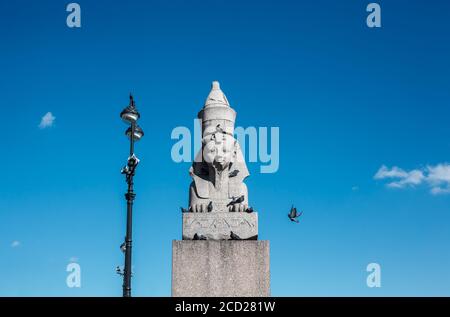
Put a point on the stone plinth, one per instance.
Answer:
(220, 268)
(218, 225)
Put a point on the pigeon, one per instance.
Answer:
(183, 210)
(219, 129)
(123, 247)
(236, 201)
(233, 173)
(210, 206)
(119, 271)
(293, 214)
(249, 210)
(234, 236)
(198, 237)
(125, 170)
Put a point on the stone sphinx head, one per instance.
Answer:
(219, 150)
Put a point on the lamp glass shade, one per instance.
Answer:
(129, 116)
(138, 133)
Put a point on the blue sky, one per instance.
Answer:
(348, 99)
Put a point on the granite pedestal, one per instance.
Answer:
(226, 268)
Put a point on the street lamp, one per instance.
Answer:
(130, 115)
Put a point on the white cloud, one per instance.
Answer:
(15, 244)
(439, 190)
(47, 120)
(403, 178)
(439, 178)
(385, 172)
(436, 177)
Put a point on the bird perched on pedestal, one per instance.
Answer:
(249, 210)
(199, 237)
(234, 236)
(184, 210)
(293, 214)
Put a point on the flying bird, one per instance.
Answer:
(293, 214)
(199, 237)
(210, 206)
(237, 200)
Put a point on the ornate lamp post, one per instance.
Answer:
(130, 115)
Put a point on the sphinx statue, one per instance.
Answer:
(218, 173)
(219, 168)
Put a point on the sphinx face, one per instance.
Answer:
(218, 150)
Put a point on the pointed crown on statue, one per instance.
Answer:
(217, 115)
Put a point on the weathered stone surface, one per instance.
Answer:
(218, 225)
(220, 268)
(219, 170)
